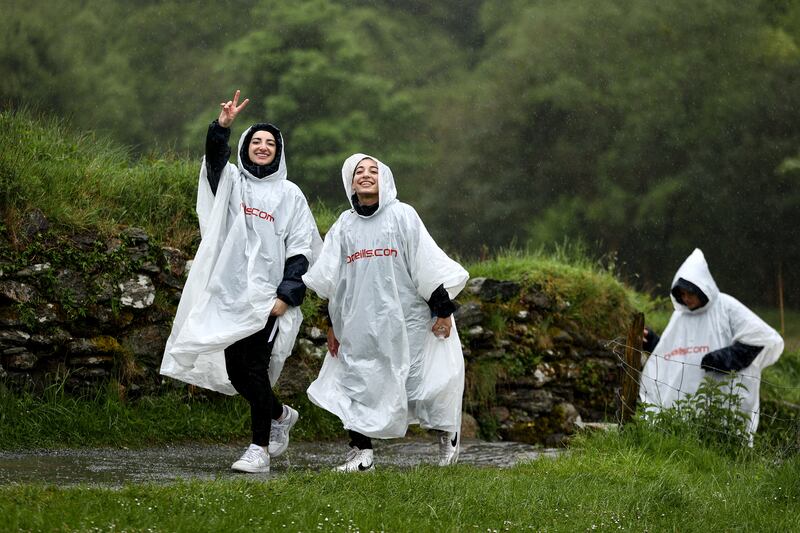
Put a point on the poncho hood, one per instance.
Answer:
(275, 170)
(695, 270)
(387, 192)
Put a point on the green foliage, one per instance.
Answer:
(85, 181)
(710, 416)
(583, 290)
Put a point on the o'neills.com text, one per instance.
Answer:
(376, 252)
(686, 351)
(256, 212)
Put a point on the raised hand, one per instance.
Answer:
(230, 109)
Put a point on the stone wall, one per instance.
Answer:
(97, 311)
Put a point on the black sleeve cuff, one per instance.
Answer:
(292, 290)
(440, 303)
(731, 358)
(650, 341)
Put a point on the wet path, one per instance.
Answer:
(116, 467)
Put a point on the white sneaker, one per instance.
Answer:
(279, 431)
(255, 460)
(357, 461)
(449, 445)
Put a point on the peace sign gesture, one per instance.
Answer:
(230, 109)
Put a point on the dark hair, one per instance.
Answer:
(688, 286)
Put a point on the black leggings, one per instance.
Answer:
(247, 363)
(362, 442)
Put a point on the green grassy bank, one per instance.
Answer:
(640, 481)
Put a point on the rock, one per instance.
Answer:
(12, 338)
(94, 346)
(85, 241)
(529, 400)
(559, 336)
(47, 314)
(543, 374)
(91, 360)
(71, 287)
(34, 222)
(10, 318)
(24, 360)
(500, 413)
(16, 292)
(34, 270)
(468, 315)
(57, 337)
(14, 351)
(538, 300)
(523, 315)
(305, 347)
(474, 285)
(150, 267)
(316, 334)
(114, 244)
(171, 281)
(147, 344)
(567, 416)
(479, 334)
(137, 293)
(491, 289)
(596, 426)
(469, 426)
(175, 260)
(138, 243)
(135, 235)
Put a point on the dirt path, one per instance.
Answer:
(116, 467)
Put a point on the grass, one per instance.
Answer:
(583, 290)
(637, 480)
(82, 181)
(56, 419)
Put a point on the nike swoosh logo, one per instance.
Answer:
(362, 467)
(454, 441)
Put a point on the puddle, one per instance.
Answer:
(117, 467)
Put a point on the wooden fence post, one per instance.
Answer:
(632, 368)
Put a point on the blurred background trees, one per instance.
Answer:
(643, 129)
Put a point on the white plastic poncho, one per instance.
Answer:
(673, 369)
(377, 273)
(249, 229)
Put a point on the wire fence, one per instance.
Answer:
(779, 420)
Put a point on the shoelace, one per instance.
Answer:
(352, 454)
(276, 432)
(251, 454)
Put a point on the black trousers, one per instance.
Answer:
(362, 442)
(247, 363)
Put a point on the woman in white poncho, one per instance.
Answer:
(709, 334)
(239, 312)
(395, 357)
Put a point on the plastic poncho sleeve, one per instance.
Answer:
(324, 274)
(749, 329)
(432, 267)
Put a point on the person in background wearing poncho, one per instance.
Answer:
(709, 334)
(395, 357)
(239, 312)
